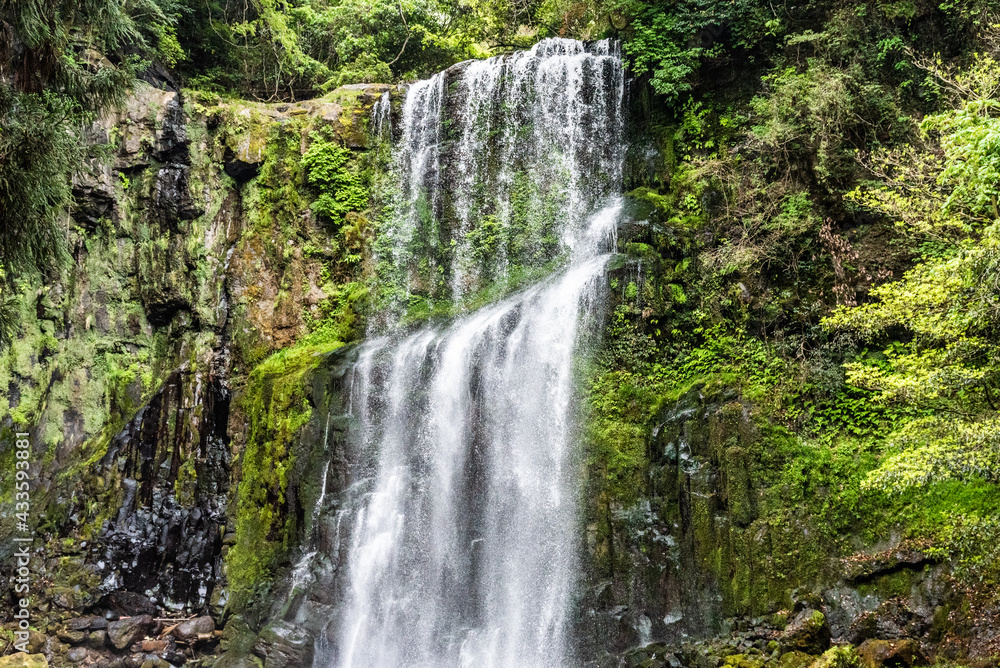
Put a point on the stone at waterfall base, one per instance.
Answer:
(22, 660)
(284, 646)
(904, 653)
(124, 632)
(809, 632)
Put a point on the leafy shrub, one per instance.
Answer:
(340, 190)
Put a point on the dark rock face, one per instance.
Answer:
(127, 604)
(172, 196)
(192, 628)
(97, 639)
(283, 645)
(129, 630)
(166, 535)
(891, 654)
(809, 632)
(891, 621)
(700, 490)
(241, 171)
(77, 654)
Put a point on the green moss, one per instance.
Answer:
(277, 407)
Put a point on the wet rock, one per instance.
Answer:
(64, 597)
(284, 646)
(808, 632)
(172, 656)
(172, 195)
(864, 627)
(97, 639)
(838, 657)
(94, 198)
(129, 604)
(83, 623)
(795, 659)
(904, 653)
(744, 661)
(116, 662)
(192, 628)
(179, 540)
(21, 660)
(126, 631)
(77, 654)
(72, 637)
(155, 662)
(172, 143)
(235, 660)
(36, 642)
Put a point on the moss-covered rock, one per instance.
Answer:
(905, 653)
(21, 660)
(808, 632)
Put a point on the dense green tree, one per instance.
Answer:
(943, 317)
(60, 62)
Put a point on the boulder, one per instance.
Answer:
(838, 657)
(284, 645)
(83, 623)
(808, 632)
(235, 660)
(36, 642)
(22, 660)
(192, 628)
(155, 662)
(795, 660)
(128, 630)
(77, 654)
(97, 639)
(129, 604)
(72, 637)
(904, 653)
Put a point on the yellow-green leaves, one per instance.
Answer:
(935, 449)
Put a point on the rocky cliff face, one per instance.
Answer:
(184, 275)
(720, 545)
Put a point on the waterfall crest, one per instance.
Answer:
(462, 527)
(501, 160)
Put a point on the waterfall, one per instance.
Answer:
(526, 145)
(381, 121)
(462, 511)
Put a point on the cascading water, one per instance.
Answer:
(522, 147)
(462, 513)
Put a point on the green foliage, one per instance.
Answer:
(817, 112)
(53, 78)
(275, 49)
(669, 41)
(619, 407)
(970, 139)
(935, 449)
(328, 171)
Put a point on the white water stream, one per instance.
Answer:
(463, 511)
